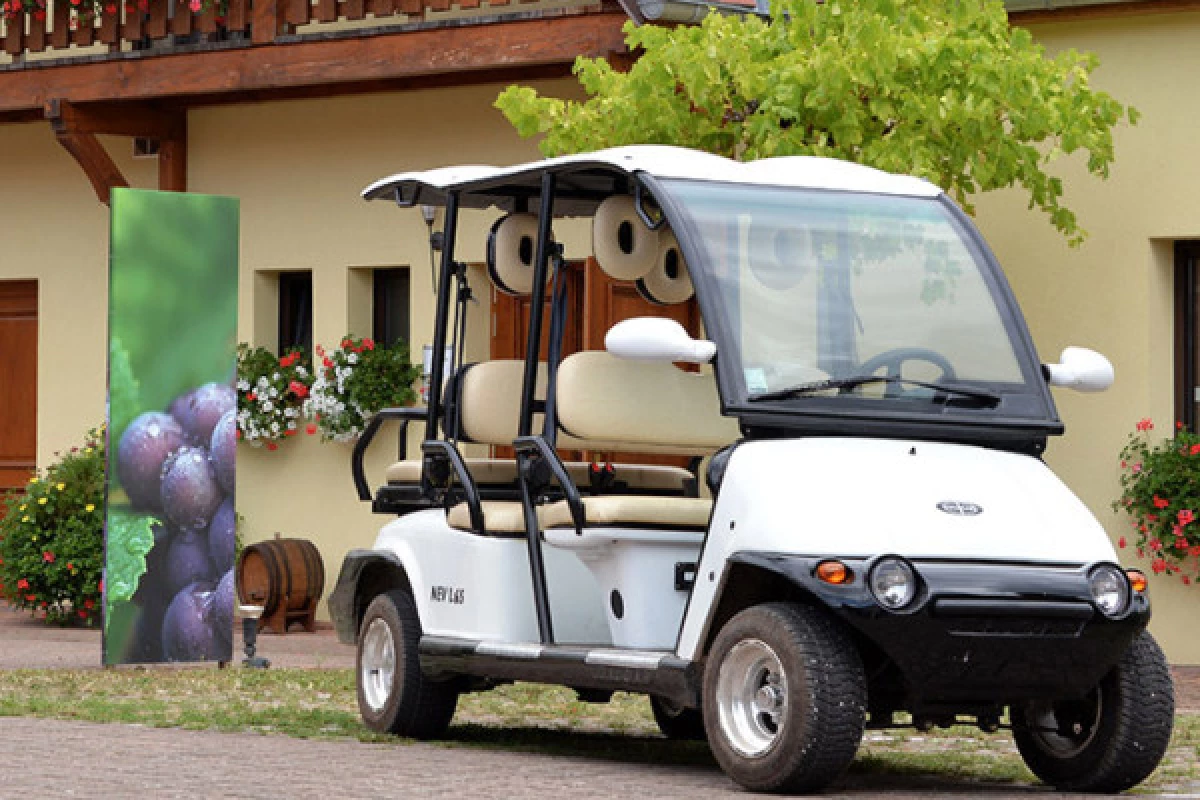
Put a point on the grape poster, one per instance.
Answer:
(170, 519)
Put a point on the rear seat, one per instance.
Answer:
(488, 406)
(615, 404)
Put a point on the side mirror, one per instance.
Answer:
(656, 339)
(1080, 369)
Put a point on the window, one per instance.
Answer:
(391, 304)
(1187, 333)
(295, 311)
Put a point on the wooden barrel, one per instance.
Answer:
(284, 576)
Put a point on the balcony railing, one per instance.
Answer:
(128, 26)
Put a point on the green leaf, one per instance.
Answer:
(124, 392)
(128, 539)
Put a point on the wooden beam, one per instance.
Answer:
(1107, 11)
(115, 120)
(96, 163)
(460, 49)
(172, 165)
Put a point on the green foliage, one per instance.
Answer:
(130, 537)
(271, 394)
(945, 91)
(1160, 491)
(355, 380)
(52, 538)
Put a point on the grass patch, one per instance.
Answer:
(320, 704)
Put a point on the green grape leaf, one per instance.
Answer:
(129, 538)
(123, 391)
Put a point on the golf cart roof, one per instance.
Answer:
(585, 179)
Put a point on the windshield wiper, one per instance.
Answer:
(986, 395)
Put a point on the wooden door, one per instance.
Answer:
(18, 388)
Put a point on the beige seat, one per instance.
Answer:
(503, 471)
(637, 511)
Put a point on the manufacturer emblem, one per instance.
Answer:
(959, 509)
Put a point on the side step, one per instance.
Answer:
(578, 666)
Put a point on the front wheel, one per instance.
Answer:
(1110, 739)
(784, 699)
(393, 695)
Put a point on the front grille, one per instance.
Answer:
(1014, 626)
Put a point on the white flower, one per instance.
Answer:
(352, 358)
(301, 371)
(243, 385)
(268, 405)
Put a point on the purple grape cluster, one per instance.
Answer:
(180, 467)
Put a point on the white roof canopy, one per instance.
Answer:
(584, 180)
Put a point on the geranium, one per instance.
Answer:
(271, 393)
(1160, 491)
(356, 379)
(51, 553)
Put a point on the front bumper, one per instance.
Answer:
(979, 633)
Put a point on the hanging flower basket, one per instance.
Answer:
(356, 379)
(271, 394)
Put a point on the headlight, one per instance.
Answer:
(893, 583)
(1110, 590)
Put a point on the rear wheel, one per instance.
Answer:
(677, 722)
(1112, 738)
(784, 699)
(393, 695)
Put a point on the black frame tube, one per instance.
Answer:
(533, 538)
(445, 287)
(537, 304)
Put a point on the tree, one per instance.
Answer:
(942, 89)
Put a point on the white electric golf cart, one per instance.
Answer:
(868, 536)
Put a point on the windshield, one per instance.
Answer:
(816, 289)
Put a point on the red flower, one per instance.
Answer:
(1154, 544)
(251, 396)
(272, 446)
(327, 362)
(22, 584)
(1159, 566)
(1160, 502)
(83, 615)
(1194, 450)
(310, 428)
(1181, 543)
(1186, 517)
(297, 388)
(48, 557)
(290, 432)
(238, 434)
(1186, 580)
(70, 565)
(1145, 425)
(1121, 542)
(369, 344)
(288, 360)
(40, 15)
(100, 586)
(1152, 518)
(89, 604)
(31, 598)
(346, 344)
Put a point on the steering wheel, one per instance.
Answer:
(893, 360)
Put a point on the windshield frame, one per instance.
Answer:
(848, 414)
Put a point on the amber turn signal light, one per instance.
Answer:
(834, 572)
(1137, 580)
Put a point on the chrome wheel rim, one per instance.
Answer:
(752, 697)
(377, 667)
(1065, 730)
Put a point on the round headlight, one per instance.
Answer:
(893, 583)
(1110, 590)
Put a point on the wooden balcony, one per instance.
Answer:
(162, 51)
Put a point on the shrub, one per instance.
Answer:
(1160, 491)
(355, 380)
(52, 538)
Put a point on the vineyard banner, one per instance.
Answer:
(170, 521)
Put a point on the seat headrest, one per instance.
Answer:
(668, 281)
(781, 255)
(624, 247)
(511, 251)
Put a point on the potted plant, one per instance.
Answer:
(1160, 491)
(356, 379)
(272, 393)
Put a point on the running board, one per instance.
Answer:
(578, 666)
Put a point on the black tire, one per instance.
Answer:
(818, 696)
(682, 724)
(402, 701)
(1112, 739)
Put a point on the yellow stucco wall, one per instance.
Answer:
(1114, 293)
(297, 167)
